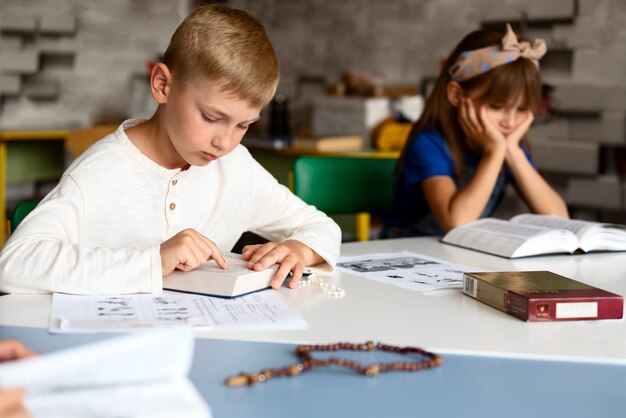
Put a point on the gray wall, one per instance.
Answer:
(89, 65)
(71, 63)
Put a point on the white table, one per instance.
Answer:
(446, 321)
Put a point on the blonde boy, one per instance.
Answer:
(174, 191)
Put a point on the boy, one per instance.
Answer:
(170, 192)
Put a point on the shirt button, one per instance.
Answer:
(174, 182)
(172, 206)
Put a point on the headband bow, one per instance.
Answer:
(476, 62)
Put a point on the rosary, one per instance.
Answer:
(307, 362)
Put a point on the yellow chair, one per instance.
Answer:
(344, 185)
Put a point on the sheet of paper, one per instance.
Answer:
(175, 398)
(260, 310)
(405, 269)
(115, 377)
(117, 360)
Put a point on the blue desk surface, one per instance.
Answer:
(465, 386)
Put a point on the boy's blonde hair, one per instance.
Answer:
(228, 46)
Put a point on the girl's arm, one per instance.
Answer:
(452, 207)
(533, 189)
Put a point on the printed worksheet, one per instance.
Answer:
(408, 270)
(257, 311)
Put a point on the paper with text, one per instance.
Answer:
(115, 313)
(405, 269)
(115, 377)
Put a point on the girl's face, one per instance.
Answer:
(507, 117)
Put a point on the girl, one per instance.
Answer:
(468, 143)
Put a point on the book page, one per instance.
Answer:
(492, 236)
(592, 236)
(237, 266)
(261, 310)
(172, 398)
(554, 222)
(511, 239)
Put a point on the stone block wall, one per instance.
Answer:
(65, 63)
(69, 63)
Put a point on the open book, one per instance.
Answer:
(138, 375)
(211, 280)
(527, 235)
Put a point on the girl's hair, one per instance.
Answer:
(228, 46)
(502, 84)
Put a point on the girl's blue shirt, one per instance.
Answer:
(428, 156)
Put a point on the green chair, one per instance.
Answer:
(344, 185)
(21, 211)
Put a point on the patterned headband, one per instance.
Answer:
(476, 62)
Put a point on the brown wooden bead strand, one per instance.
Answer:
(307, 362)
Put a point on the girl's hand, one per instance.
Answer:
(474, 124)
(291, 255)
(513, 138)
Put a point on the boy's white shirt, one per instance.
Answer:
(99, 231)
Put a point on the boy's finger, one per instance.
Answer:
(217, 256)
(13, 350)
(249, 250)
(281, 275)
(260, 254)
(296, 275)
(209, 250)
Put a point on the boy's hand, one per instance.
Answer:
(291, 255)
(13, 350)
(187, 250)
(11, 405)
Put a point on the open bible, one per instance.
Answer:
(211, 280)
(528, 235)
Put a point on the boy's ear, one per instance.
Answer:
(454, 92)
(160, 82)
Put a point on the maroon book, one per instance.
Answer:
(542, 296)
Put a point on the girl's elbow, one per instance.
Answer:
(559, 209)
(452, 222)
